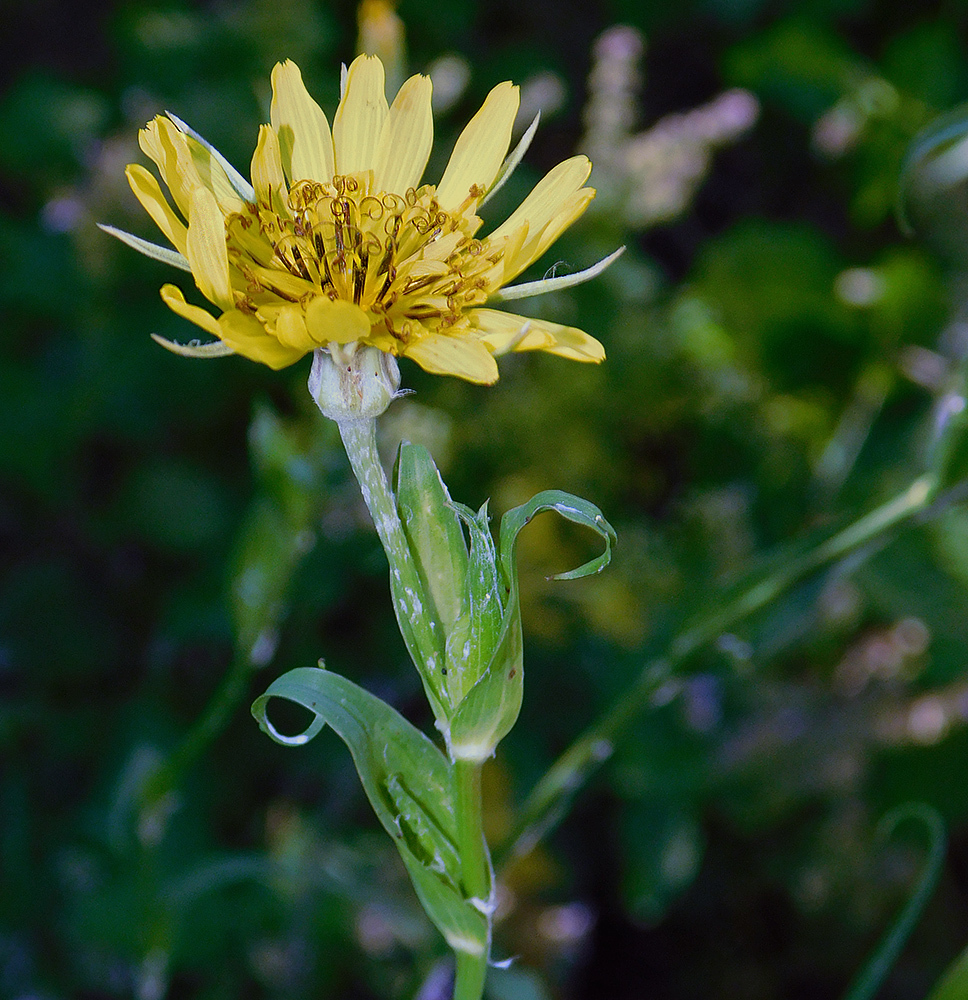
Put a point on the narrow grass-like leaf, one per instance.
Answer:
(871, 977)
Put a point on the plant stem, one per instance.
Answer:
(409, 599)
(359, 439)
(549, 799)
(871, 977)
(475, 871)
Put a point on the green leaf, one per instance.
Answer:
(433, 531)
(407, 780)
(489, 710)
(471, 645)
(491, 707)
(571, 508)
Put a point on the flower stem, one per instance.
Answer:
(475, 871)
(359, 439)
(409, 600)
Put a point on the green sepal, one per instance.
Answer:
(489, 710)
(407, 780)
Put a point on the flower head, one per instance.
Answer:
(336, 242)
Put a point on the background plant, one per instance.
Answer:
(775, 350)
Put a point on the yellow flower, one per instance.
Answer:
(336, 242)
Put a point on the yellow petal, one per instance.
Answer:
(290, 329)
(283, 283)
(481, 147)
(148, 191)
(465, 357)
(534, 248)
(172, 296)
(502, 332)
(268, 178)
(406, 138)
(213, 176)
(548, 196)
(168, 147)
(206, 250)
(246, 336)
(305, 140)
(338, 322)
(360, 116)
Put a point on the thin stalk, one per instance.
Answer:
(475, 870)
(871, 977)
(359, 439)
(549, 798)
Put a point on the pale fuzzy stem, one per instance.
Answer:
(409, 603)
(359, 439)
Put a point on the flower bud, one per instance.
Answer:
(351, 382)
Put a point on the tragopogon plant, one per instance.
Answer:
(336, 248)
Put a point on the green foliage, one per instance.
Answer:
(407, 780)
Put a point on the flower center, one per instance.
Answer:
(402, 258)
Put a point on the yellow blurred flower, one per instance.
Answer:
(336, 242)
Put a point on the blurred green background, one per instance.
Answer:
(776, 353)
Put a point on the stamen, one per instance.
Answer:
(360, 276)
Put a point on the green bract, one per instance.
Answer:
(471, 651)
